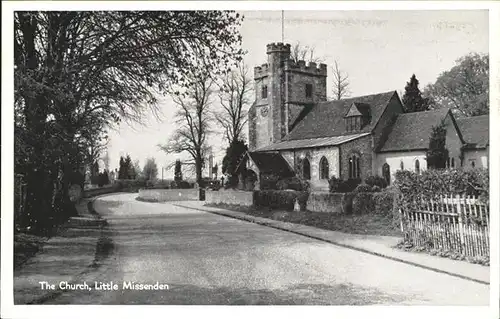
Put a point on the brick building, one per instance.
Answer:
(349, 138)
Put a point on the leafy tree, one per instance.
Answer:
(178, 171)
(79, 72)
(465, 86)
(412, 98)
(234, 155)
(437, 154)
(150, 170)
(137, 169)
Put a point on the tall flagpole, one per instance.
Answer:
(283, 26)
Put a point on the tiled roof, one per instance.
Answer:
(475, 130)
(326, 119)
(271, 163)
(412, 131)
(313, 142)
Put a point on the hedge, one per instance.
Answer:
(280, 199)
(363, 203)
(293, 183)
(431, 184)
(376, 180)
(339, 186)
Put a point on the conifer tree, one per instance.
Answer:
(412, 98)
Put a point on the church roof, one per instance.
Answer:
(326, 119)
(412, 131)
(312, 142)
(475, 130)
(271, 163)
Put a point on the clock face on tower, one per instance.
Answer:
(264, 110)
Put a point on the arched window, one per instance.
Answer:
(453, 162)
(402, 165)
(386, 172)
(323, 168)
(354, 169)
(417, 166)
(306, 169)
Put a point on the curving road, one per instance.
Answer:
(209, 259)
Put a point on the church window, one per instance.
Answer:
(323, 168)
(306, 169)
(264, 92)
(417, 166)
(353, 123)
(402, 165)
(354, 168)
(453, 162)
(309, 90)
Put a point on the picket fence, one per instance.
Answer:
(454, 223)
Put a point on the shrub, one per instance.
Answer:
(363, 188)
(184, 184)
(294, 183)
(376, 180)
(280, 199)
(340, 186)
(130, 184)
(363, 203)
(334, 184)
(384, 202)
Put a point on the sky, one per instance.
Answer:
(379, 50)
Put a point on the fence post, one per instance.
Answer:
(460, 224)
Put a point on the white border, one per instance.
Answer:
(9, 311)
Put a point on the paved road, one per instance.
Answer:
(209, 259)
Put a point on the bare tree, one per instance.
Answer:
(193, 118)
(340, 83)
(299, 52)
(234, 98)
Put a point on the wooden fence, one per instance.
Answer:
(454, 223)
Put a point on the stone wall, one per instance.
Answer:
(230, 197)
(322, 202)
(166, 195)
(363, 148)
(314, 156)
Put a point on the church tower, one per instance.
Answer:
(284, 89)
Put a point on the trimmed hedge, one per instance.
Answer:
(280, 199)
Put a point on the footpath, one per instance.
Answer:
(382, 246)
(64, 257)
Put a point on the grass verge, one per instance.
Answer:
(369, 224)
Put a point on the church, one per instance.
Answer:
(295, 131)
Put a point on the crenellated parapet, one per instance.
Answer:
(260, 71)
(311, 68)
(278, 47)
